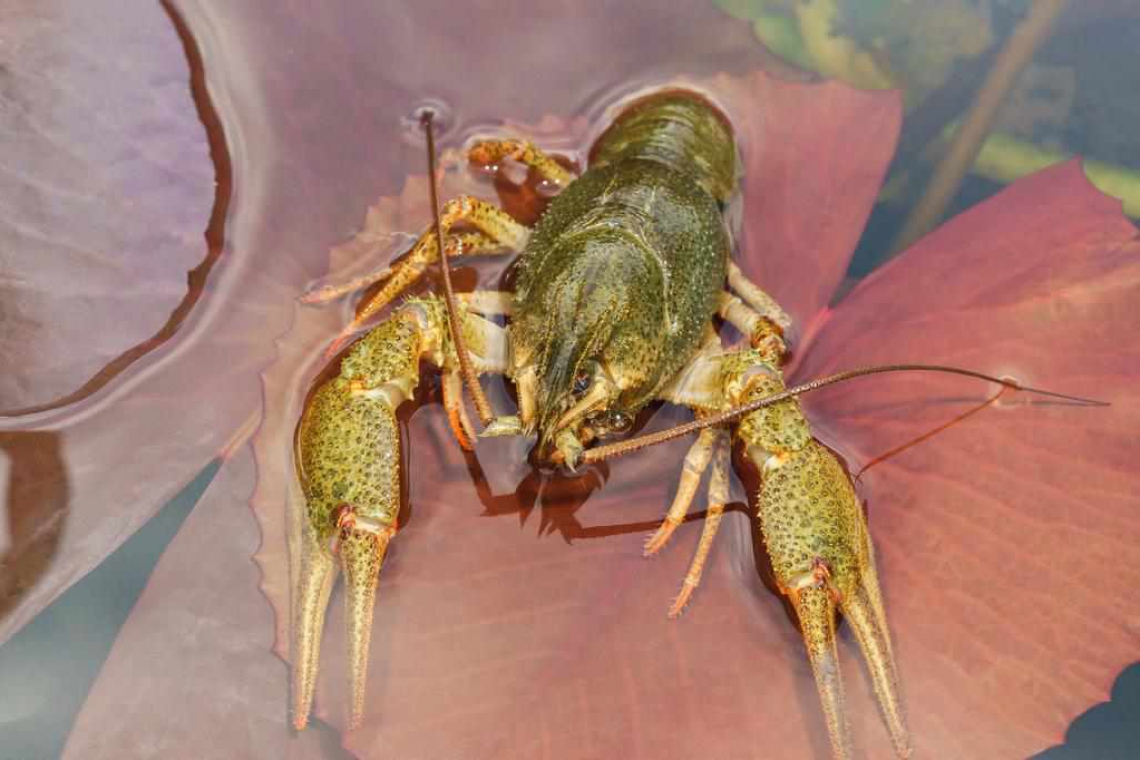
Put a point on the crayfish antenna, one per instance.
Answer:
(863, 609)
(361, 555)
(816, 611)
(466, 368)
(630, 445)
(316, 575)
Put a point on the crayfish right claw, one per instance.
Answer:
(815, 608)
(863, 609)
(812, 486)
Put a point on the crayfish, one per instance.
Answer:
(618, 286)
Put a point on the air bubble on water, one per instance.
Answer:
(548, 189)
(443, 120)
(1011, 398)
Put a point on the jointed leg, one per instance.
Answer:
(763, 303)
(461, 426)
(461, 244)
(495, 231)
(490, 152)
(712, 445)
(487, 344)
(718, 497)
(763, 333)
(696, 462)
(333, 292)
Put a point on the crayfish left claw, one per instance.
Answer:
(316, 574)
(347, 456)
(362, 552)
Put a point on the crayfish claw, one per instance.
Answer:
(661, 536)
(863, 609)
(816, 610)
(813, 526)
(361, 555)
(315, 581)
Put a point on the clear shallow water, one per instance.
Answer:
(316, 170)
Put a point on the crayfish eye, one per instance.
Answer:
(619, 422)
(582, 382)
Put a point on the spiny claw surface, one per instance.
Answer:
(812, 524)
(348, 456)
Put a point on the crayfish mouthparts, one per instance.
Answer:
(567, 450)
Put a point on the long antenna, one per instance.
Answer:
(470, 379)
(636, 444)
(929, 434)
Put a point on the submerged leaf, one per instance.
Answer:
(806, 196)
(311, 105)
(194, 676)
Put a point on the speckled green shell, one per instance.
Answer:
(626, 264)
(808, 509)
(349, 440)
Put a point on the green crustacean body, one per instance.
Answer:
(617, 288)
(626, 265)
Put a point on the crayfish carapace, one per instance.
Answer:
(618, 285)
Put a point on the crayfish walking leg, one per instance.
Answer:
(808, 517)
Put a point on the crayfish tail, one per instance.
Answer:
(816, 611)
(316, 575)
(361, 554)
(863, 609)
